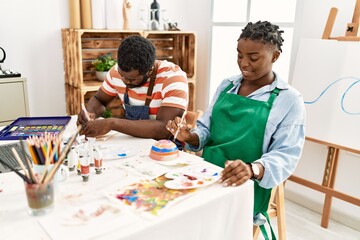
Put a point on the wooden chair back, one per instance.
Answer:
(192, 116)
(276, 209)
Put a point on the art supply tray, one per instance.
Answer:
(24, 127)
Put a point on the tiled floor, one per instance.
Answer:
(304, 224)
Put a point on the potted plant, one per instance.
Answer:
(102, 65)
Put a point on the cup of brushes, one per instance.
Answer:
(39, 187)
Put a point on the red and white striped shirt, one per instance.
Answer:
(170, 88)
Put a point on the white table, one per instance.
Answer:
(213, 212)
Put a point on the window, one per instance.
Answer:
(229, 17)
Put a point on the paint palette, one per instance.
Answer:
(192, 177)
(117, 152)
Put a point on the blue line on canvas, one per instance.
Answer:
(343, 95)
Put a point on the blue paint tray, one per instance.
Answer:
(25, 127)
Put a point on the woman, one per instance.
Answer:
(255, 125)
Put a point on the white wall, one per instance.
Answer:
(30, 34)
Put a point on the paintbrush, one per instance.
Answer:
(180, 125)
(85, 111)
(26, 179)
(18, 159)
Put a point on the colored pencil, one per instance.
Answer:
(49, 156)
(28, 164)
(32, 153)
(62, 157)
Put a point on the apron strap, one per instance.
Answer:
(228, 87)
(126, 96)
(273, 95)
(271, 99)
(263, 230)
(150, 90)
(148, 94)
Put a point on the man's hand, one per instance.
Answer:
(96, 127)
(83, 118)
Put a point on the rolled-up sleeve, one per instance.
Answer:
(285, 143)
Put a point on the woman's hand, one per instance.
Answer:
(179, 129)
(235, 173)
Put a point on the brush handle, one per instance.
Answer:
(179, 125)
(17, 172)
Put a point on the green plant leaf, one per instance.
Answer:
(104, 63)
(107, 113)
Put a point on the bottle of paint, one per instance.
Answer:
(98, 160)
(72, 158)
(82, 153)
(90, 150)
(85, 168)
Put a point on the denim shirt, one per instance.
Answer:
(284, 134)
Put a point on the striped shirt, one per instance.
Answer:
(170, 88)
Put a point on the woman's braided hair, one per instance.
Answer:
(264, 32)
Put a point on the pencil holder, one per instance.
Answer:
(40, 198)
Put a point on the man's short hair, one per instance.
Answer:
(136, 53)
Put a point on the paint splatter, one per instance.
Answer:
(151, 196)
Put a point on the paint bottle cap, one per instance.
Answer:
(85, 178)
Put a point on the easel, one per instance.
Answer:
(328, 183)
(351, 29)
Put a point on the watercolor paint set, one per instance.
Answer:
(24, 127)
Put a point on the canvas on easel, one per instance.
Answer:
(327, 74)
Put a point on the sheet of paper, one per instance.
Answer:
(86, 221)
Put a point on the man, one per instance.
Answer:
(152, 93)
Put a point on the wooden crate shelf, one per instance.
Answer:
(74, 94)
(82, 46)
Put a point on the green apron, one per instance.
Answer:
(243, 141)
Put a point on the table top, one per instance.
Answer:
(210, 212)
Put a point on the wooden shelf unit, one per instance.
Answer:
(82, 46)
